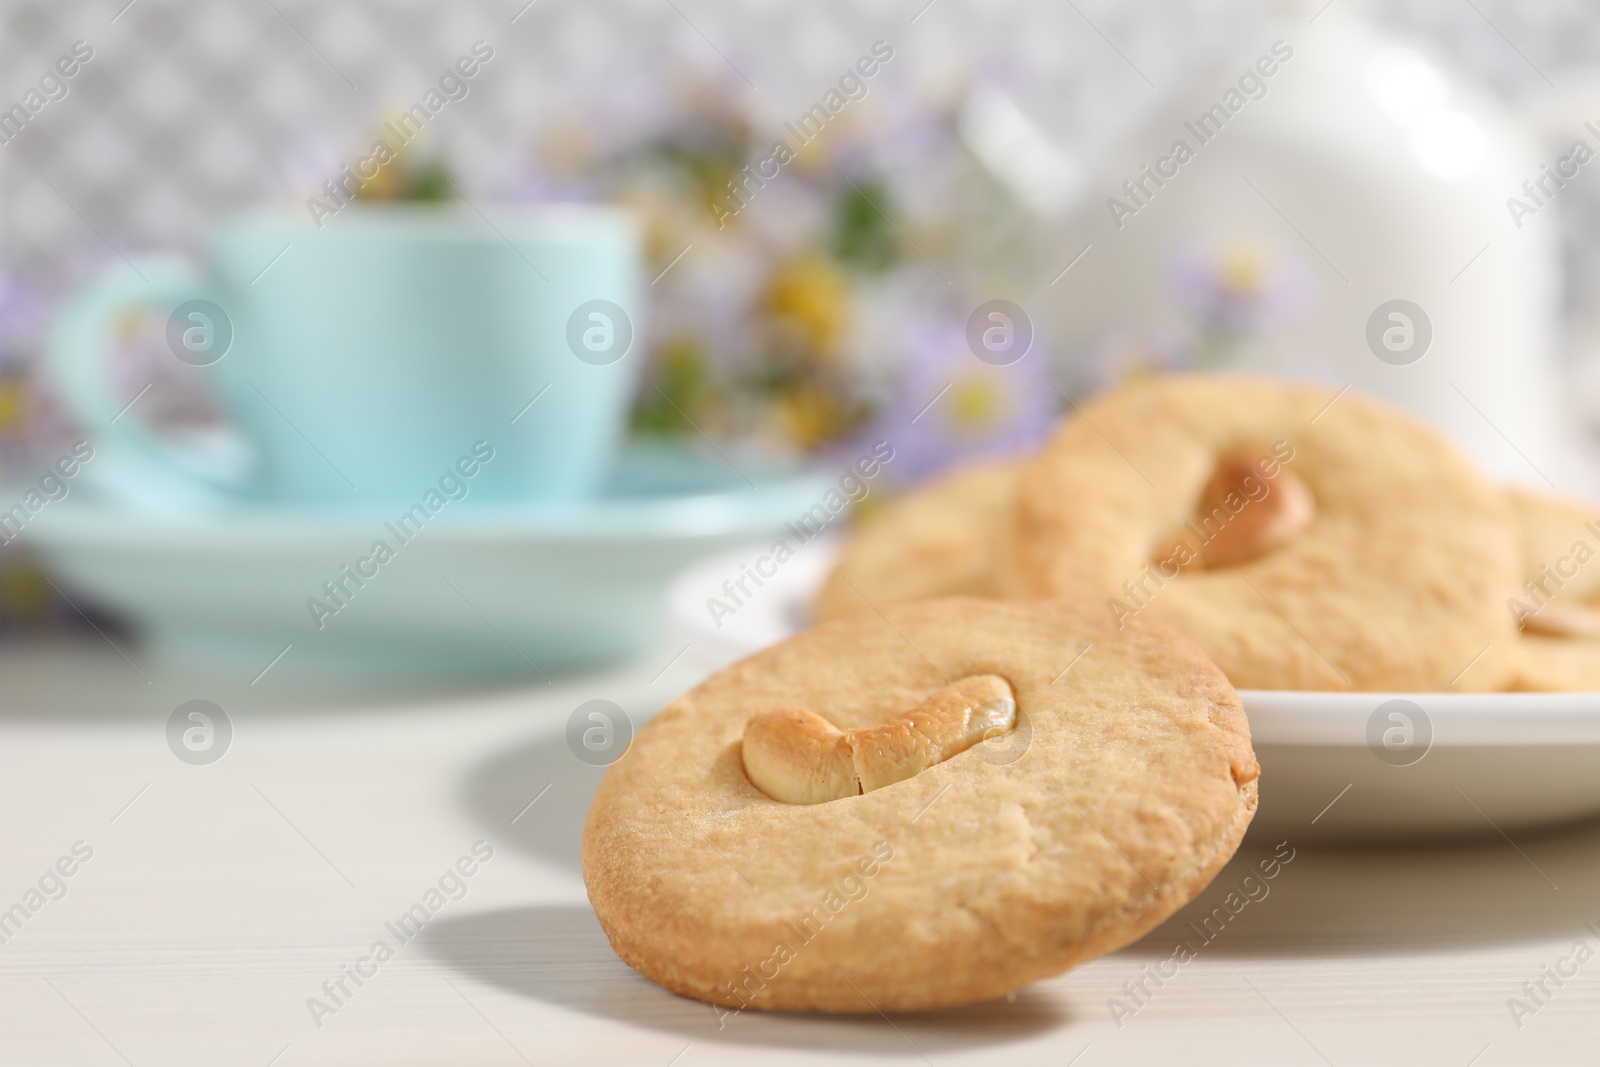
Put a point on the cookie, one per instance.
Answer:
(948, 869)
(1304, 538)
(1558, 603)
(940, 539)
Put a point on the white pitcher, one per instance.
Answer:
(1378, 180)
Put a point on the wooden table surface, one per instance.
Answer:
(208, 905)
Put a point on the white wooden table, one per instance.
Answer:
(219, 899)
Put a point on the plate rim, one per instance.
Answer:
(1290, 717)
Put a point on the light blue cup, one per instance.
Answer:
(361, 360)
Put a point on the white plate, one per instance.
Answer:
(1453, 763)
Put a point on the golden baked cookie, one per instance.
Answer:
(1558, 603)
(1303, 538)
(947, 870)
(940, 539)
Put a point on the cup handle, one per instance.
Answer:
(85, 334)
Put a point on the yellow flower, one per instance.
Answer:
(657, 212)
(811, 296)
(975, 405)
(1243, 268)
(811, 157)
(809, 415)
(13, 403)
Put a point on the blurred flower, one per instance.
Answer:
(863, 236)
(1235, 289)
(811, 414)
(703, 139)
(778, 302)
(678, 396)
(807, 302)
(411, 175)
(22, 314)
(23, 323)
(14, 398)
(950, 405)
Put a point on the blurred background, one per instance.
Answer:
(832, 309)
(874, 240)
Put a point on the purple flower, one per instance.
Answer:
(22, 314)
(1237, 287)
(949, 405)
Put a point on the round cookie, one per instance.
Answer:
(1556, 665)
(1392, 576)
(1558, 604)
(940, 539)
(1560, 542)
(1125, 785)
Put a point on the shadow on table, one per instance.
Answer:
(559, 955)
(497, 791)
(1343, 900)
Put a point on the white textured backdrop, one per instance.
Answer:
(189, 108)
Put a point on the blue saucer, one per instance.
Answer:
(524, 590)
